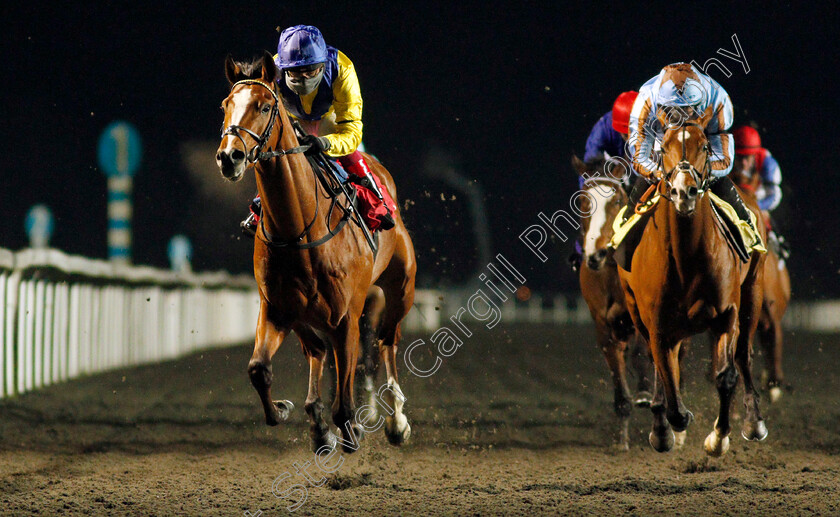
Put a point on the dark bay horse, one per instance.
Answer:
(602, 292)
(776, 298)
(313, 270)
(684, 279)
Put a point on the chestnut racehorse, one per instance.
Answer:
(614, 330)
(685, 279)
(776, 298)
(312, 265)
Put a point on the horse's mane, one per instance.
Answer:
(596, 165)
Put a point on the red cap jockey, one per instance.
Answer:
(747, 140)
(622, 107)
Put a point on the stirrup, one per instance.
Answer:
(780, 245)
(249, 225)
(784, 248)
(575, 260)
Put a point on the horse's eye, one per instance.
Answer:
(266, 108)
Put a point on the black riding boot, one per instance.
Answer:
(386, 222)
(725, 189)
(639, 188)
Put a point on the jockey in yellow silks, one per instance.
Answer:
(320, 89)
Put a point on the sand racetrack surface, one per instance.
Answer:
(518, 421)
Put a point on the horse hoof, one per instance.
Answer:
(755, 433)
(329, 440)
(350, 443)
(679, 439)
(775, 394)
(662, 443)
(643, 399)
(284, 408)
(370, 420)
(715, 445)
(680, 422)
(392, 430)
(623, 408)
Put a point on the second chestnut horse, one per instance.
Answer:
(777, 293)
(599, 285)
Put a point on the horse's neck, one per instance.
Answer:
(688, 239)
(749, 183)
(286, 188)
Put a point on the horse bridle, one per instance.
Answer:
(257, 154)
(685, 166)
(235, 130)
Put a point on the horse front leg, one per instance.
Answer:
(661, 437)
(319, 430)
(749, 312)
(667, 360)
(346, 350)
(641, 361)
(614, 351)
(726, 380)
(368, 341)
(772, 341)
(269, 337)
(397, 282)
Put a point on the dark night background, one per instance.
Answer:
(509, 88)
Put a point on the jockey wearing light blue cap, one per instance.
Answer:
(680, 94)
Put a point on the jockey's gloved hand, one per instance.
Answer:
(317, 144)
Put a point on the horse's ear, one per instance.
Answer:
(578, 165)
(232, 69)
(269, 69)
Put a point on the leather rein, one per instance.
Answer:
(256, 154)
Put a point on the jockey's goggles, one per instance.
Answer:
(308, 71)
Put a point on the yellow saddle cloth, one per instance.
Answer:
(620, 230)
(750, 238)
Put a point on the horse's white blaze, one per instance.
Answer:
(680, 135)
(240, 105)
(596, 221)
(681, 182)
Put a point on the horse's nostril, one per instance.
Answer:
(692, 191)
(673, 192)
(237, 155)
(601, 253)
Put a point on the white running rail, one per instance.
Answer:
(63, 316)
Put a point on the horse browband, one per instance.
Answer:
(703, 182)
(256, 153)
